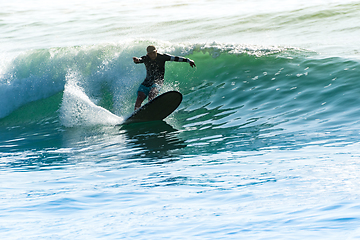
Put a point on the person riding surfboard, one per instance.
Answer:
(155, 71)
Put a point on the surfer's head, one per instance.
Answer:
(151, 52)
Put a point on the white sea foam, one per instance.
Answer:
(78, 110)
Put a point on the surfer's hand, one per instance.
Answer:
(136, 60)
(192, 63)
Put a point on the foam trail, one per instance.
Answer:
(78, 110)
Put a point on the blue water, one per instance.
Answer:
(265, 144)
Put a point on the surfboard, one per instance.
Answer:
(157, 109)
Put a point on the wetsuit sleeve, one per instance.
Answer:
(142, 59)
(177, 59)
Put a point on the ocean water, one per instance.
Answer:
(265, 144)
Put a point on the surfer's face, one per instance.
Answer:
(152, 55)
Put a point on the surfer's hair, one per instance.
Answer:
(151, 48)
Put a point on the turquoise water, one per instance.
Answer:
(265, 144)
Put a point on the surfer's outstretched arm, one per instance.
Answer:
(181, 59)
(138, 60)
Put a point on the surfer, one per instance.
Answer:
(155, 71)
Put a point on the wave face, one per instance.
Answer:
(281, 99)
(236, 96)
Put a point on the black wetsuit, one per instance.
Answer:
(155, 69)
